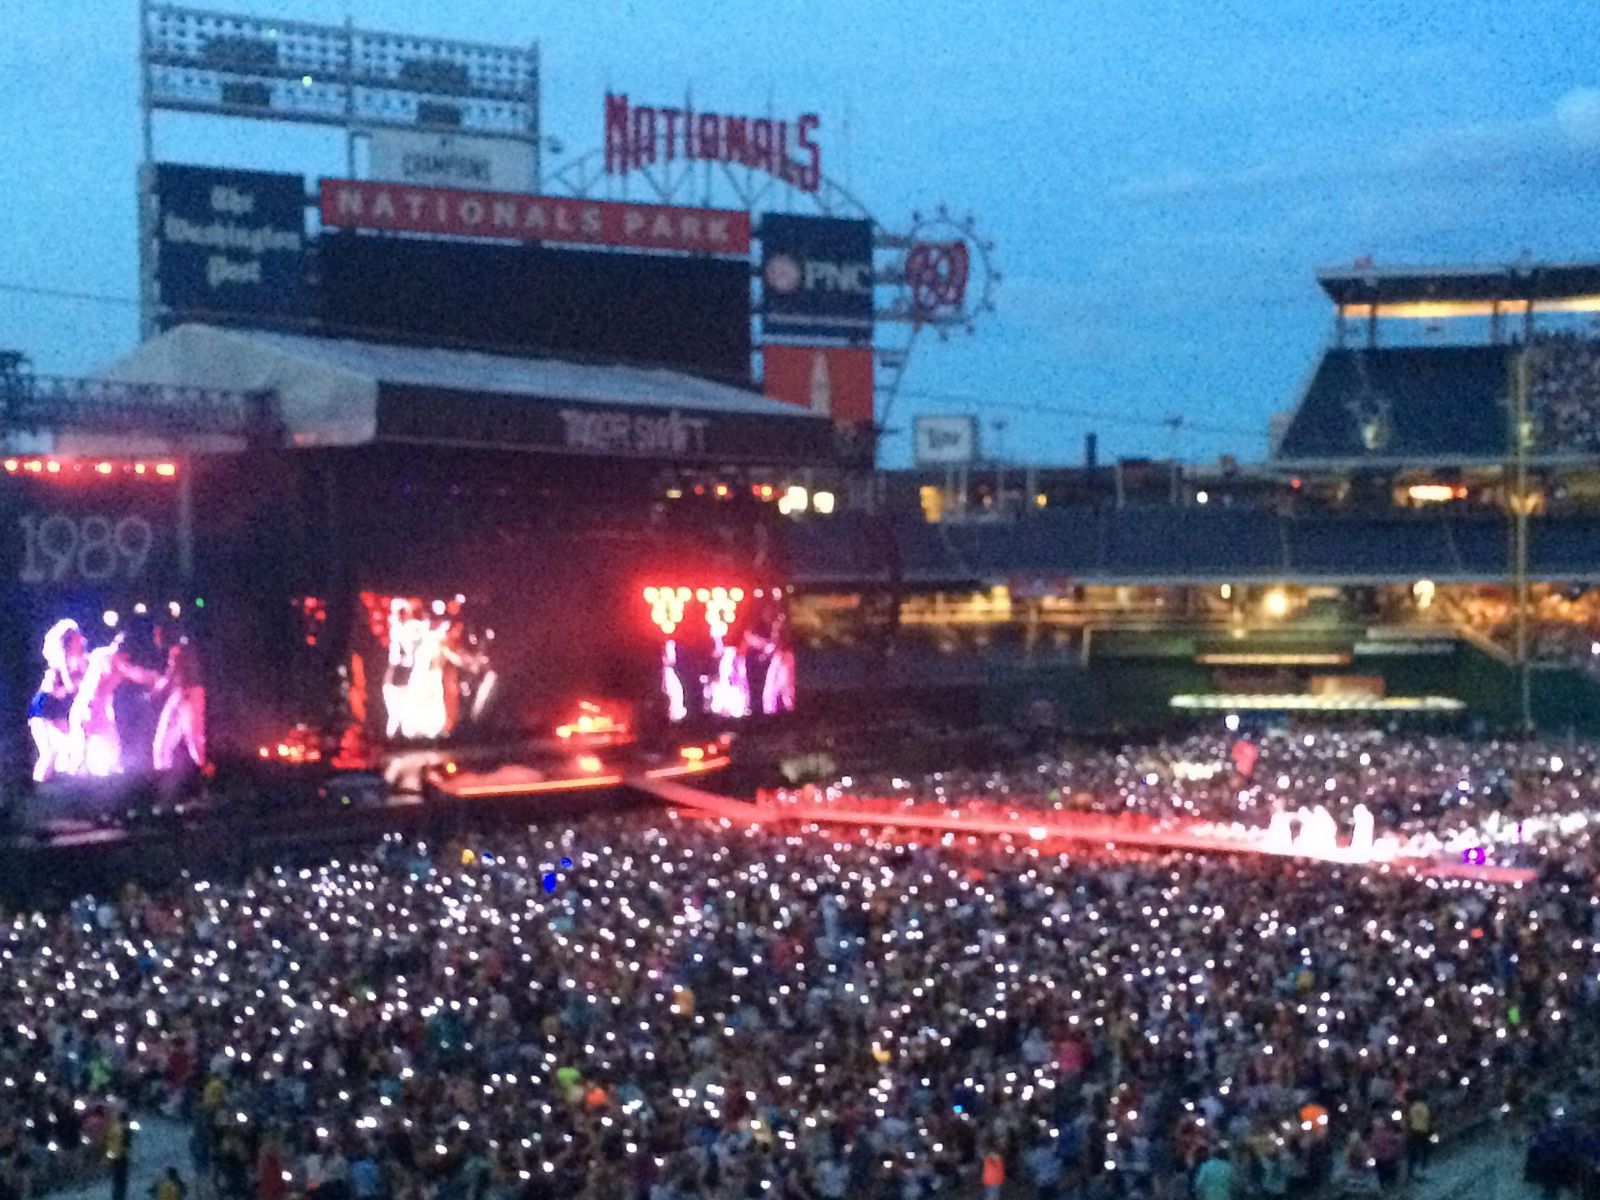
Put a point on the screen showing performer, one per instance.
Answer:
(136, 702)
(436, 678)
(725, 651)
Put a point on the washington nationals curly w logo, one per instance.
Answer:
(936, 273)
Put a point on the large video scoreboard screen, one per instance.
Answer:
(684, 312)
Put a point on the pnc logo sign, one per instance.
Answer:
(786, 275)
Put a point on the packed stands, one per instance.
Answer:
(1564, 393)
(1411, 403)
(1178, 544)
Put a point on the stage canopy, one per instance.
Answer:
(334, 392)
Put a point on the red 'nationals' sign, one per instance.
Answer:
(638, 135)
(456, 212)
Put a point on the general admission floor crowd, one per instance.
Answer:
(669, 1008)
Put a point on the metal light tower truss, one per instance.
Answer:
(263, 68)
(356, 80)
(47, 403)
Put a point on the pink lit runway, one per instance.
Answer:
(1050, 828)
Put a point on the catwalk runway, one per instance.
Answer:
(1050, 828)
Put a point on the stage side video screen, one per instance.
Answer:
(102, 648)
(423, 666)
(117, 692)
(724, 649)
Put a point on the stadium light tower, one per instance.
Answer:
(1520, 504)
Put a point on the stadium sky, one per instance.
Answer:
(1161, 180)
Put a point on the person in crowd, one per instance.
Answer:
(702, 1011)
(1419, 1137)
(169, 1187)
(118, 1151)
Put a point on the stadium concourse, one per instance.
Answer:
(661, 1006)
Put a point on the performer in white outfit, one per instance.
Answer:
(672, 683)
(405, 633)
(1361, 824)
(1280, 830)
(425, 714)
(93, 720)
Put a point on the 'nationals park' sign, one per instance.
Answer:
(461, 212)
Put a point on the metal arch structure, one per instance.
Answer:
(245, 66)
(699, 183)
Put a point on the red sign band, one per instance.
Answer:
(455, 212)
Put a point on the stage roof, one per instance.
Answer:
(339, 392)
(1514, 283)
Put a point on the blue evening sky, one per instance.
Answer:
(1161, 179)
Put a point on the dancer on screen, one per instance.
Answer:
(405, 633)
(50, 710)
(92, 721)
(182, 724)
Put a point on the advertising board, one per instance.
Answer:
(229, 242)
(942, 441)
(816, 275)
(831, 381)
(449, 160)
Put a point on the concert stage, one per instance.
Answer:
(76, 836)
(1058, 830)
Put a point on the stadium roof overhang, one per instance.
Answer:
(341, 392)
(1434, 292)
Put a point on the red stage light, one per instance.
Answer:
(12, 464)
(53, 467)
(589, 763)
(166, 470)
(139, 468)
(102, 468)
(722, 491)
(692, 753)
